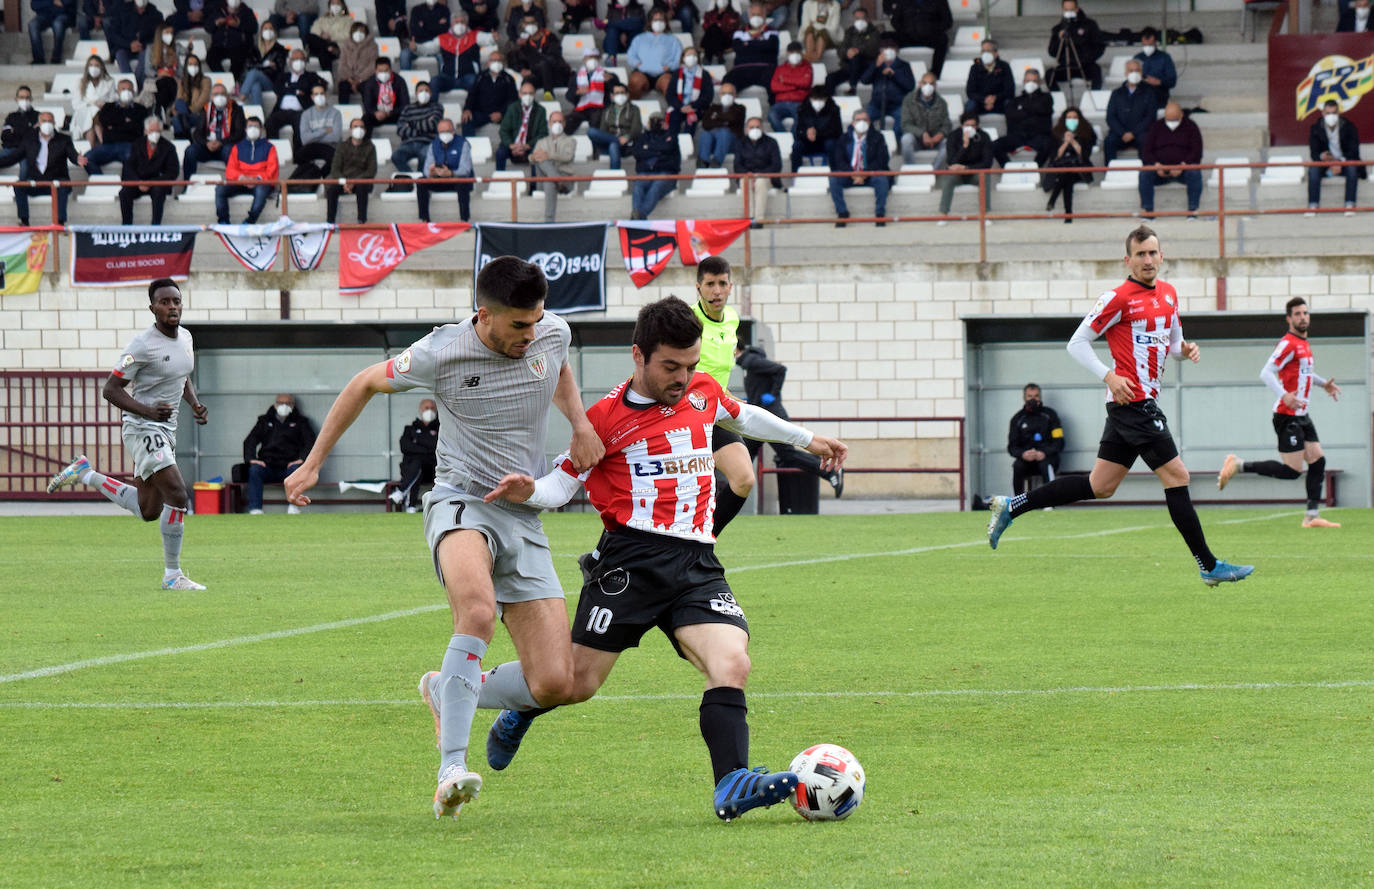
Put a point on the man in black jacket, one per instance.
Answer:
(491, 94)
(293, 87)
(418, 459)
(1034, 441)
(279, 442)
(1030, 120)
(151, 158)
(815, 129)
(1075, 46)
(119, 124)
(861, 152)
(758, 153)
(763, 381)
(46, 154)
(923, 23)
(18, 124)
(990, 84)
(1334, 140)
(969, 149)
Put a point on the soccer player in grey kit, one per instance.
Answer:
(493, 376)
(151, 380)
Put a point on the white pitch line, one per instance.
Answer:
(785, 695)
(424, 609)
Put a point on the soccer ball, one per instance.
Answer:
(830, 783)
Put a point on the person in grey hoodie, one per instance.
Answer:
(319, 130)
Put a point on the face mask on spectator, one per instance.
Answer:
(422, 97)
(427, 416)
(496, 68)
(359, 36)
(969, 131)
(335, 10)
(756, 21)
(1070, 14)
(46, 128)
(861, 127)
(1133, 77)
(722, 4)
(1172, 124)
(987, 58)
(818, 104)
(755, 134)
(889, 55)
(591, 63)
(193, 70)
(689, 61)
(445, 138)
(319, 99)
(126, 96)
(861, 25)
(269, 36)
(556, 128)
(358, 133)
(927, 90)
(1071, 124)
(620, 98)
(253, 133)
(167, 38)
(1149, 49)
(219, 100)
(794, 58)
(727, 100)
(530, 30)
(527, 99)
(232, 4)
(429, 2)
(1032, 86)
(1331, 119)
(459, 29)
(283, 411)
(659, 26)
(154, 136)
(298, 65)
(93, 71)
(383, 76)
(25, 104)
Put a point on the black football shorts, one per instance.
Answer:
(1138, 429)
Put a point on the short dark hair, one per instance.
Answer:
(1293, 304)
(1149, 31)
(155, 286)
(1329, 102)
(382, 60)
(969, 116)
(712, 265)
(668, 322)
(1139, 235)
(253, 119)
(819, 92)
(1035, 386)
(795, 44)
(510, 282)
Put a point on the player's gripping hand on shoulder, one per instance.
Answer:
(515, 487)
(832, 451)
(300, 481)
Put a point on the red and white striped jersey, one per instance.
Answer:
(1292, 362)
(658, 474)
(1142, 327)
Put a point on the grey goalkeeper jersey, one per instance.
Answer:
(156, 367)
(493, 410)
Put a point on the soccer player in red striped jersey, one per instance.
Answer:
(1141, 324)
(656, 564)
(1289, 373)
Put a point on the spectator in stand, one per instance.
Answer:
(689, 93)
(861, 152)
(1074, 139)
(817, 129)
(759, 153)
(1169, 144)
(1354, 19)
(189, 14)
(278, 443)
(329, 33)
(482, 17)
(318, 131)
(523, 124)
(298, 14)
(893, 80)
(90, 16)
(46, 154)
(152, 159)
(355, 158)
(538, 56)
(925, 121)
(990, 84)
(294, 87)
(231, 37)
(384, 96)
(160, 58)
(516, 11)
(820, 27)
(656, 153)
(117, 127)
(624, 22)
(718, 27)
(1334, 141)
(95, 89)
(620, 125)
(857, 52)
(193, 94)
(490, 96)
(788, 88)
(356, 64)
(552, 156)
(756, 52)
(575, 12)
(653, 56)
(18, 124)
(130, 33)
(266, 60)
(1130, 113)
(221, 127)
(923, 23)
(391, 19)
(722, 126)
(460, 55)
(54, 15)
(969, 148)
(419, 449)
(417, 127)
(776, 12)
(587, 90)
(253, 158)
(1157, 66)
(684, 12)
(1075, 46)
(1030, 118)
(428, 22)
(450, 157)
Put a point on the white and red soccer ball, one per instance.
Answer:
(830, 783)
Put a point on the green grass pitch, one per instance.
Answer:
(1074, 710)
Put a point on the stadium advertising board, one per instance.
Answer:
(1307, 69)
(129, 256)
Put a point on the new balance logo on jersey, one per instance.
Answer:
(472, 381)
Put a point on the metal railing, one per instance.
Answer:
(46, 418)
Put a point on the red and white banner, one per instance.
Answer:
(130, 256)
(366, 256)
(647, 246)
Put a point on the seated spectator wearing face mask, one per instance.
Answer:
(689, 93)
(968, 148)
(1334, 139)
(816, 129)
(419, 444)
(355, 158)
(620, 125)
(858, 50)
(118, 125)
(758, 153)
(254, 158)
(1157, 66)
(722, 126)
(861, 152)
(449, 158)
(277, 444)
(18, 124)
(1130, 112)
(1034, 441)
(990, 84)
(151, 158)
(1030, 117)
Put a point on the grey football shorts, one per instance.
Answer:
(151, 448)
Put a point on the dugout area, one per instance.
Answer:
(1215, 407)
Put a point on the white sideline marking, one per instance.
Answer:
(424, 609)
(927, 693)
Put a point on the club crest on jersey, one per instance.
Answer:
(1168, 299)
(697, 400)
(538, 364)
(126, 361)
(403, 362)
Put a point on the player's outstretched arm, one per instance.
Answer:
(832, 451)
(547, 492)
(1332, 389)
(586, 449)
(188, 393)
(346, 408)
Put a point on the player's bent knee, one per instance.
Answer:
(731, 669)
(553, 689)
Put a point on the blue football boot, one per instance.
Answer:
(1225, 572)
(1000, 520)
(505, 736)
(742, 790)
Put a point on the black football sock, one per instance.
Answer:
(728, 504)
(724, 729)
(1062, 491)
(1271, 468)
(1186, 521)
(1316, 477)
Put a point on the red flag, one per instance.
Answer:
(366, 256)
(700, 238)
(646, 248)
